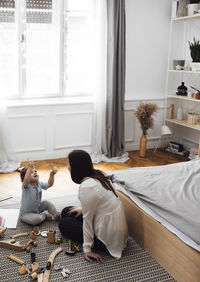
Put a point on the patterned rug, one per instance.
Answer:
(135, 264)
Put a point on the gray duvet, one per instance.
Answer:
(172, 191)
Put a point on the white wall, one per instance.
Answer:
(148, 24)
(51, 130)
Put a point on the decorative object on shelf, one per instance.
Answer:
(144, 114)
(193, 7)
(182, 90)
(182, 8)
(179, 114)
(175, 5)
(197, 95)
(171, 111)
(178, 64)
(192, 118)
(195, 54)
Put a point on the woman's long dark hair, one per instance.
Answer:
(81, 167)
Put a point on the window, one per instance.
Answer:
(46, 48)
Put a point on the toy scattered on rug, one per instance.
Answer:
(15, 245)
(2, 231)
(19, 235)
(44, 233)
(36, 230)
(51, 236)
(34, 269)
(65, 271)
(72, 249)
(50, 264)
(59, 241)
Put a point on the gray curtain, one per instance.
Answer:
(115, 77)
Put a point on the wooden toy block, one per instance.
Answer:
(35, 267)
(27, 244)
(11, 244)
(33, 235)
(2, 232)
(51, 236)
(19, 235)
(16, 259)
(36, 230)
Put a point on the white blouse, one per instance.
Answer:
(103, 216)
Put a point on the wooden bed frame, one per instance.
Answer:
(180, 260)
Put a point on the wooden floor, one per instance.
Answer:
(160, 157)
(10, 184)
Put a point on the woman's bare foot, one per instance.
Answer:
(49, 217)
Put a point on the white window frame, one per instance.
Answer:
(20, 17)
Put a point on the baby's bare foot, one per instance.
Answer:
(49, 217)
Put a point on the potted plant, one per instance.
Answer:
(195, 54)
(144, 114)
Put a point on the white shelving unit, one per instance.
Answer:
(182, 30)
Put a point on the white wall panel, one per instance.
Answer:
(72, 129)
(129, 126)
(27, 132)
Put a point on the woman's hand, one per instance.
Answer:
(90, 255)
(76, 210)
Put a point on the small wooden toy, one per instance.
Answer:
(2, 231)
(33, 235)
(16, 259)
(11, 244)
(36, 230)
(22, 270)
(34, 267)
(50, 264)
(19, 235)
(32, 242)
(51, 236)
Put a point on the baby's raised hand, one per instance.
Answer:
(54, 170)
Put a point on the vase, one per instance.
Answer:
(143, 146)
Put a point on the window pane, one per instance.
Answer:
(42, 47)
(79, 48)
(9, 78)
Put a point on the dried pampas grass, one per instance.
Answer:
(144, 114)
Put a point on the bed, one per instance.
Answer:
(177, 249)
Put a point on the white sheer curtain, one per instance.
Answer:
(8, 161)
(100, 67)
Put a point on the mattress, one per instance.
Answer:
(170, 194)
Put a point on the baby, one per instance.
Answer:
(33, 210)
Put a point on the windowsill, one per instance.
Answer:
(49, 101)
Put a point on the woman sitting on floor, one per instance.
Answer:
(101, 222)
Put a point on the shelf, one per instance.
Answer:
(184, 71)
(184, 123)
(196, 16)
(174, 96)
